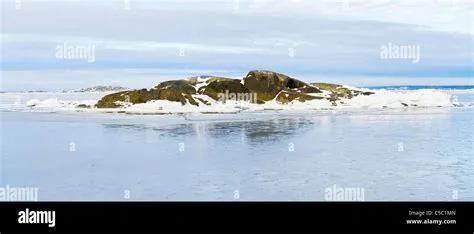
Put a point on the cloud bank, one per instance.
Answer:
(300, 37)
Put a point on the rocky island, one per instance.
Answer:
(257, 91)
(257, 87)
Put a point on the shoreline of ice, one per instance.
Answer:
(381, 100)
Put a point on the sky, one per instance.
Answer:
(51, 44)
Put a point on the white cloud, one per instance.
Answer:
(325, 35)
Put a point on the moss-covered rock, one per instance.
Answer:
(174, 90)
(83, 106)
(220, 85)
(286, 96)
(190, 100)
(112, 100)
(364, 93)
(259, 85)
(326, 86)
(203, 101)
(308, 89)
(181, 86)
(339, 92)
(268, 84)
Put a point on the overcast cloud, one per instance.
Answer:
(329, 40)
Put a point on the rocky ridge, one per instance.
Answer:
(258, 86)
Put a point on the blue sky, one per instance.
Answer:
(137, 43)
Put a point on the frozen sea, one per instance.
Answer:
(407, 154)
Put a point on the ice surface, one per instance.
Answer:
(398, 154)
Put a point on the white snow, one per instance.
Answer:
(355, 88)
(381, 99)
(201, 82)
(324, 93)
(55, 103)
(394, 99)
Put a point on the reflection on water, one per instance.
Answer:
(174, 130)
(253, 132)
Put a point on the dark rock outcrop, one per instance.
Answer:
(268, 84)
(286, 96)
(260, 85)
(217, 85)
(174, 90)
(83, 106)
(338, 91)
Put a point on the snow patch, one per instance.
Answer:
(381, 99)
(394, 99)
(55, 103)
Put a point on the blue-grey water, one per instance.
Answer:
(419, 154)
